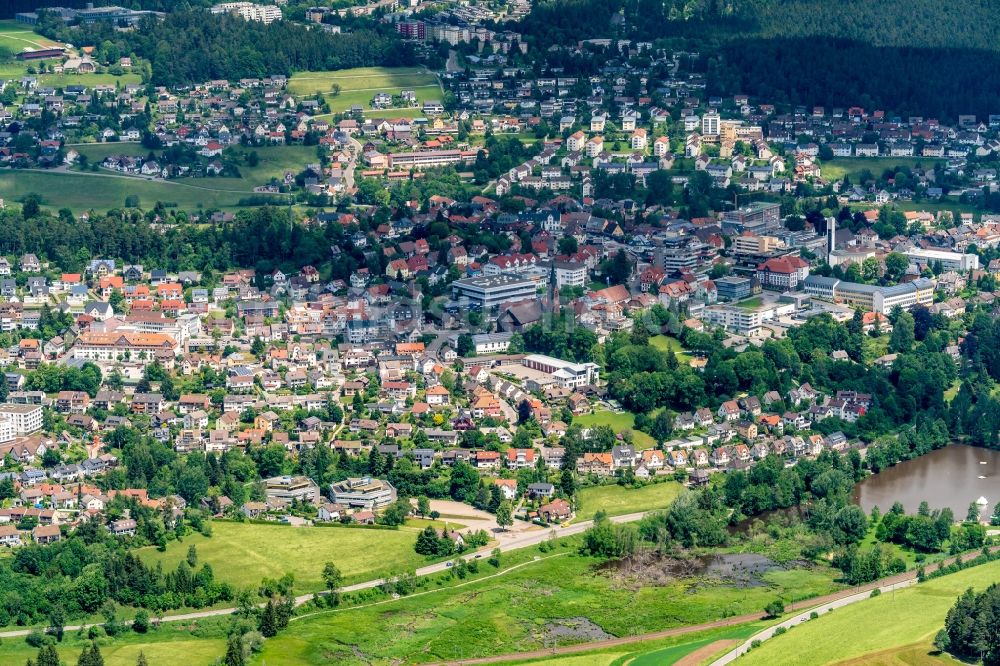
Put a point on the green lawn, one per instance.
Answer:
(242, 554)
(96, 152)
(751, 303)
(512, 612)
(838, 167)
(669, 343)
(359, 85)
(620, 422)
(617, 500)
(885, 623)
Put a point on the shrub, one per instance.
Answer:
(775, 609)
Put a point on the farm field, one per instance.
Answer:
(619, 422)
(917, 614)
(618, 500)
(359, 85)
(563, 598)
(242, 554)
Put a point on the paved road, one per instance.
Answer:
(507, 541)
(352, 165)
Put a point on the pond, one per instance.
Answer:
(949, 477)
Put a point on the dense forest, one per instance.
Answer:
(911, 58)
(937, 83)
(194, 46)
(971, 628)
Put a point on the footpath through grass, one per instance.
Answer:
(905, 621)
(242, 553)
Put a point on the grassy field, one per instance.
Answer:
(96, 152)
(618, 500)
(620, 422)
(161, 646)
(104, 189)
(915, 615)
(516, 611)
(100, 191)
(667, 343)
(659, 652)
(838, 167)
(242, 554)
(358, 86)
(18, 37)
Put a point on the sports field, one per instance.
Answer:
(893, 628)
(359, 85)
(242, 554)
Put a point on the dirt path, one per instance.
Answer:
(703, 653)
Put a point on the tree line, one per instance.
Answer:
(192, 46)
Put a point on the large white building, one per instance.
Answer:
(363, 493)
(746, 321)
(19, 420)
(250, 11)
(710, 124)
(491, 290)
(950, 261)
(570, 274)
(871, 297)
(117, 346)
(567, 374)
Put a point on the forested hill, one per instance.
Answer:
(909, 57)
(934, 83)
(971, 24)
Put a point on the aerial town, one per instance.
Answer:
(447, 331)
